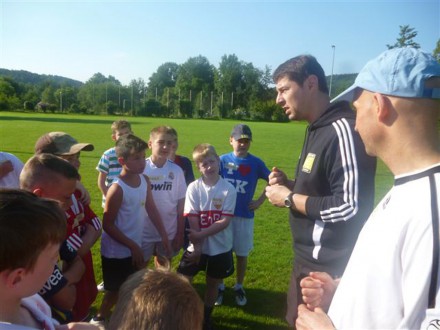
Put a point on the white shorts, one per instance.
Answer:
(155, 248)
(243, 235)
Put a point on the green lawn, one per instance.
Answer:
(278, 144)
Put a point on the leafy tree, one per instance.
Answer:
(436, 52)
(164, 77)
(405, 39)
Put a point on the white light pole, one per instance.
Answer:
(333, 64)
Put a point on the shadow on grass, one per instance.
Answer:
(66, 120)
(265, 310)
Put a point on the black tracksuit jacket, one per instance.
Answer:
(338, 176)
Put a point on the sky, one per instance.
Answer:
(131, 39)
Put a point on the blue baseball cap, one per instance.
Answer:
(400, 72)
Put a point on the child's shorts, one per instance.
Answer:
(116, 271)
(156, 249)
(218, 266)
(243, 235)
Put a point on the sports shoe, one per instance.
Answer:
(240, 297)
(100, 287)
(219, 300)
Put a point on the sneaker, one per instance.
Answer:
(240, 297)
(100, 287)
(99, 321)
(219, 300)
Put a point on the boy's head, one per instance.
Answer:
(49, 176)
(240, 139)
(120, 128)
(206, 159)
(62, 145)
(161, 142)
(31, 230)
(157, 300)
(130, 151)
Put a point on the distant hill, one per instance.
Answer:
(26, 77)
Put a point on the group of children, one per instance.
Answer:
(152, 208)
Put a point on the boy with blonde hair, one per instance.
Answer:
(168, 187)
(108, 166)
(129, 200)
(243, 170)
(209, 206)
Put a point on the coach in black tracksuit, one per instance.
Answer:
(332, 194)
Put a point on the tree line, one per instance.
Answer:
(195, 89)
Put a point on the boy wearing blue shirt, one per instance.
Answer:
(242, 170)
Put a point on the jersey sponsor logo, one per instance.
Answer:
(308, 164)
(52, 282)
(171, 176)
(218, 202)
(165, 186)
(209, 217)
(231, 168)
(244, 169)
(239, 185)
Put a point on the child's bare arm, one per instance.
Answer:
(101, 183)
(89, 238)
(255, 204)
(155, 217)
(216, 227)
(112, 204)
(178, 239)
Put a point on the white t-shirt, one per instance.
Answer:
(130, 219)
(12, 179)
(168, 186)
(386, 282)
(39, 310)
(211, 203)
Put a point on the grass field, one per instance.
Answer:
(278, 144)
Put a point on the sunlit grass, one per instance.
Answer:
(278, 144)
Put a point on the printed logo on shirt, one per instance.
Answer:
(207, 218)
(238, 184)
(308, 164)
(165, 186)
(231, 167)
(218, 202)
(244, 169)
(171, 176)
(52, 282)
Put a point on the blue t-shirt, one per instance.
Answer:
(243, 174)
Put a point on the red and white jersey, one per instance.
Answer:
(78, 215)
(210, 204)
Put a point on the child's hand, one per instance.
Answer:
(137, 256)
(167, 246)
(192, 257)
(194, 235)
(253, 205)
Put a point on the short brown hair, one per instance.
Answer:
(203, 150)
(28, 224)
(163, 130)
(42, 167)
(120, 124)
(157, 300)
(129, 144)
(299, 68)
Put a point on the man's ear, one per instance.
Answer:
(149, 144)
(121, 160)
(384, 109)
(312, 81)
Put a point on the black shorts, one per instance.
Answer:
(219, 266)
(116, 271)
